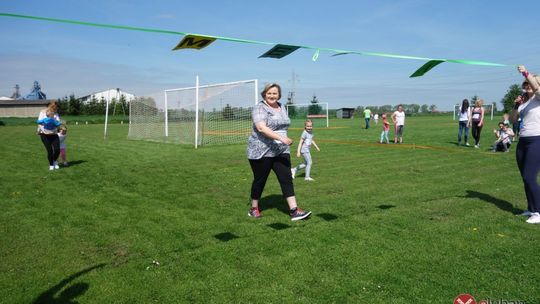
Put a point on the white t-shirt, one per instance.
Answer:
(529, 113)
(308, 139)
(376, 116)
(62, 139)
(464, 116)
(400, 118)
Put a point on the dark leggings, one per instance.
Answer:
(52, 144)
(281, 165)
(476, 130)
(528, 161)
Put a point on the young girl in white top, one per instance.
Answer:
(306, 140)
(464, 122)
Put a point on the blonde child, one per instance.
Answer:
(62, 133)
(385, 129)
(306, 140)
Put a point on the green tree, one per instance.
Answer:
(291, 108)
(124, 104)
(474, 99)
(228, 112)
(76, 106)
(314, 108)
(424, 108)
(433, 108)
(508, 100)
(415, 108)
(63, 106)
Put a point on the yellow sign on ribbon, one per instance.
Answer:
(194, 42)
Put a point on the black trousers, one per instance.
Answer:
(528, 161)
(281, 165)
(52, 145)
(476, 130)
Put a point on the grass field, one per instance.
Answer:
(420, 222)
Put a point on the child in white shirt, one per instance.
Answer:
(306, 140)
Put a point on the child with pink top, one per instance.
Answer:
(386, 128)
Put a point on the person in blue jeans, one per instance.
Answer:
(367, 117)
(464, 122)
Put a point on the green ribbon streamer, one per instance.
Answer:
(316, 55)
(431, 63)
(426, 67)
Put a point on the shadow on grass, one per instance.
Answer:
(327, 216)
(501, 204)
(226, 236)
(69, 294)
(76, 162)
(385, 207)
(278, 226)
(274, 201)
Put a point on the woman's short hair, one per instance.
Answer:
(268, 87)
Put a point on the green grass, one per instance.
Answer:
(419, 222)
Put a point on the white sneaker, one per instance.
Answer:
(293, 172)
(51, 168)
(534, 219)
(477, 146)
(309, 179)
(467, 144)
(56, 166)
(526, 213)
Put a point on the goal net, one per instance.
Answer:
(317, 112)
(199, 115)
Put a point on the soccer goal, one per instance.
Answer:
(487, 109)
(314, 111)
(199, 115)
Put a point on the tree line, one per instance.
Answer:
(74, 106)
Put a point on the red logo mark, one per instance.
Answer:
(464, 299)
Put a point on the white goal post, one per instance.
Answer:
(305, 114)
(199, 115)
(457, 108)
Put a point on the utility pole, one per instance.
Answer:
(292, 93)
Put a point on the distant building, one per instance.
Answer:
(345, 113)
(22, 108)
(108, 95)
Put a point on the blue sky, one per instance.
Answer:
(67, 58)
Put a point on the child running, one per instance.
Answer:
(385, 129)
(306, 140)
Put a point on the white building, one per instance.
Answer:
(108, 95)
